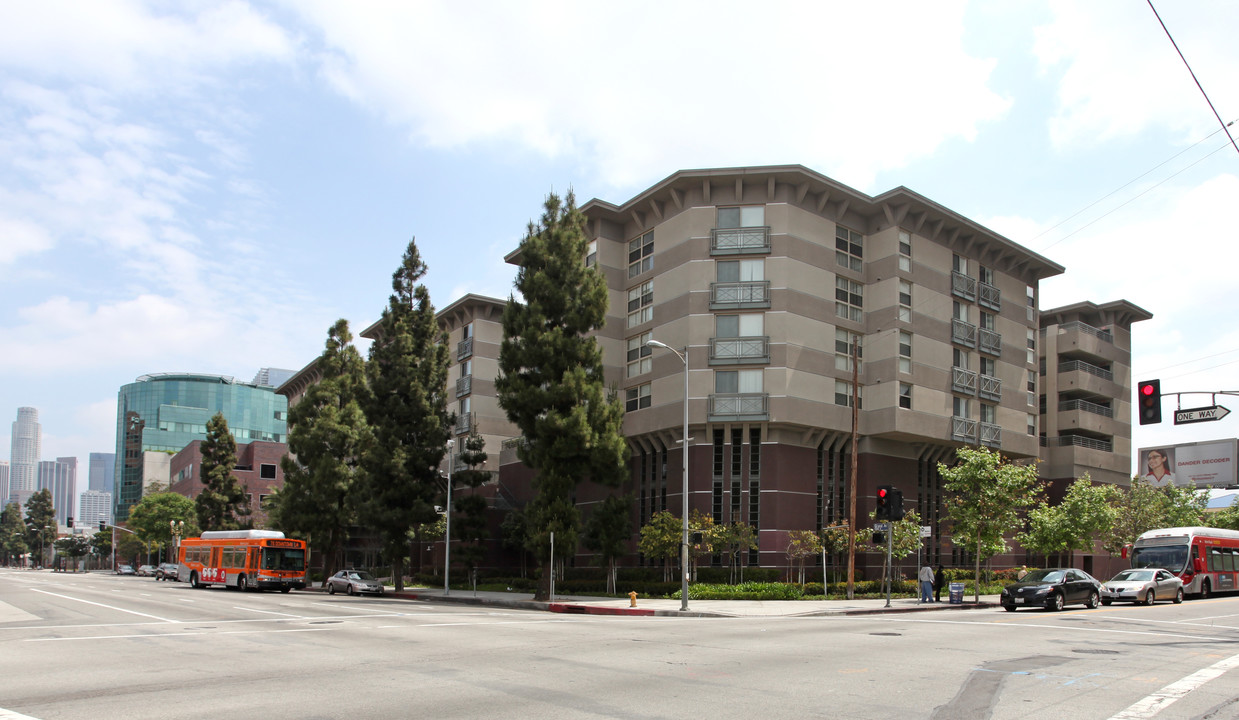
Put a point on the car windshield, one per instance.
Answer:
(283, 559)
(1044, 576)
(362, 575)
(1133, 576)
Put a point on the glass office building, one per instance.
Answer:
(164, 412)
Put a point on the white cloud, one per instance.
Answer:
(20, 237)
(632, 92)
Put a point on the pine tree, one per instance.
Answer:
(608, 531)
(41, 525)
(12, 533)
(407, 409)
(469, 526)
(327, 436)
(551, 378)
(223, 504)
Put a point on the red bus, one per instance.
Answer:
(244, 559)
(1207, 559)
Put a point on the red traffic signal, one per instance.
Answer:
(884, 502)
(1149, 402)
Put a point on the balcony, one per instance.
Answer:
(991, 435)
(963, 286)
(740, 351)
(464, 385)
(990, 388)
(731, 407)
(1081, 366)
(739, 241)
(1085, 406)
(963, 333)
(464, 423)
(963, 429)
(740, 295)
(1078, 441)
(464, 348)
(990, 341)
(963, 381)
(1103, 335)
(989, 296)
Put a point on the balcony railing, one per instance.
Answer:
(464, 348)
(963, 333)
(1078, 441)
(963, 286)
(464, 423)
(990, 341)
(963, 429)
(464, 385)
(991, 435)
(741, 350)
(989, 296)
(739, 406)
(740, 295)
(963, 381)
(1087, 329)
(739, 241)
(990, 388)
(1086, 406)
(1080, 365)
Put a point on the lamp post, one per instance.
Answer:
(684, 440)
(177, 528)
(447, 533)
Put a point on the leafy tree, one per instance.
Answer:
(738, 537)
(41, 525)
(551, 382)
(223, 504)
(661, 538)
(905, 538)
(711, 538)
(608, 531)
(1184, 506)
(1143, 507)
(469, 510)
(327, 436)
(72, 547)
(802, 544)
(101, 544)
(12, 533)
(129, 548)
(152, 517)
(406, 407)
(986, 498)
(1086, 512)
(1226, 518)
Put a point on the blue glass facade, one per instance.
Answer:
(166, 412)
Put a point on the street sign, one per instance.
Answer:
(926, 531)
(1204, 414)
(881, 527)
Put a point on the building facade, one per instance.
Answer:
(257, 470)
(163, 413)
(94, 507)
(26, 445)
(60, 478)
(102, 472)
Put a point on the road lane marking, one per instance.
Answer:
(110, 607)
(1068, 627)
(1153, 704)
(10, 715)
(268, 612)
(177, 634)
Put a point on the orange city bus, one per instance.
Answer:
(244, 559)
(1207, 559)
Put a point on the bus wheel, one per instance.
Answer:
(193, 581)
(241, 583)
(1204, 589)
(285, 589)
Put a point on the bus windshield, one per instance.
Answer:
(1170, 557)
(283, 559)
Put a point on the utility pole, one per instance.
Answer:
(852, 474)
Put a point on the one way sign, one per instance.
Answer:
(1204, 414)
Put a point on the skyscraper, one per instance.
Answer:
(60, 478)
(24, 456)
(102, 471)
(95, 506)
(4, 482)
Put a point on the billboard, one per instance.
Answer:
(1201, 464)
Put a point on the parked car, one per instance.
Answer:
(146, 570)
(354, 582)
(167, 571)
(1142, 585)
(125, 570)
(1052, 589)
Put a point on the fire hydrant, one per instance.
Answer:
(632, 599)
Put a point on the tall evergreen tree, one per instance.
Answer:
(41, 525)
(327, 436)
(12, 533)
(469, 526)
(551, 383)
(608, 532)
(407, 409)
(223, 504)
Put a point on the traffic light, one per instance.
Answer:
(879, 538)
(69, 522)
(896, 509)
(102, 526)
(1149, 400)
(884, 502)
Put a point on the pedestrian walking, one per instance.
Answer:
(939, 581)
(926, 576)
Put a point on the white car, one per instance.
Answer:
(1142, 585)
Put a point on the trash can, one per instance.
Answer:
(957, 593)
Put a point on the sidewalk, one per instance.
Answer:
(586, 605)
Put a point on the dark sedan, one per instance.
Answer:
(1052, 589)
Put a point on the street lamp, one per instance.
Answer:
(447, 533)
(177, 528)
(684, 439)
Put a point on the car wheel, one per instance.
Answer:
(1055, 603)
(1150, 597)
(351, 591)
(1106, 601)
(1093, 599)
(1204, 590)
(1009, 608)
(331, 588)
(1178, 597)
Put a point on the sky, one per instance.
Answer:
(208, 186)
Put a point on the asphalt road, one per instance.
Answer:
(100, 646)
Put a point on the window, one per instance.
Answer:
(641, 254)
(266, 471)
(738, 217)
(986, 275)
(741, 270)
(737, 381)
(849, 248)
(1032, 346)
(639, 354)
(843, 393)
(959, 264)
(844, 343)
(987, 320)
(466, 332)
(464, 407)
(1032, 424)
(961, 358)
(905, 301)
(905, 352)
(1032, 296)
(637, 398)
(963, 408)
(734, 326)
(641, 304)
(989, 366)
(1032, 387)
(591, 254)
(849, 299)
(905, 251)
(960, 311)
(989, 414)
(905, 396)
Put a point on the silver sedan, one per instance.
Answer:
(354, 582)
(1143, 585)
